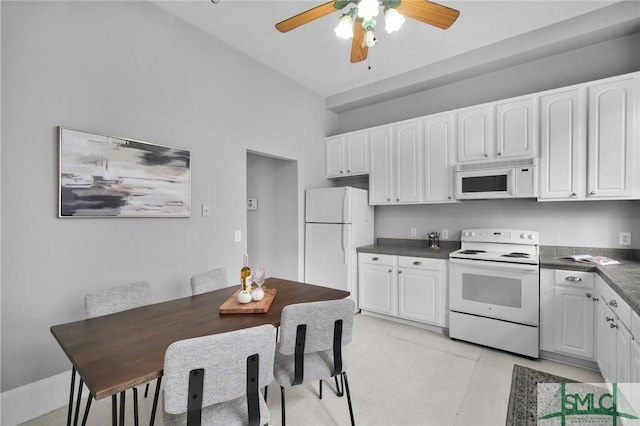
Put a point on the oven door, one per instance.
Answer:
(505, 291)
(483, 184)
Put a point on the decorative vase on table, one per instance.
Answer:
(245, 282)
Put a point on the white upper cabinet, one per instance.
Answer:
(407, 165)
(381, 173)
(437, 152)
(475, 134)
(347, 155)
(611, 158)
(563, 153)
(516, 133)
(588, 141)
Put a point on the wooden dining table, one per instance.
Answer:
(116, 352)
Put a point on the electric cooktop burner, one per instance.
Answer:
(516, 254)
(472, 251)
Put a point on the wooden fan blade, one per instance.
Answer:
(428, 12)
(359, 50)
(306, 17)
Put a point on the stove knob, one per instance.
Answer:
(523, 235)
(473, 234)
(530, 236)
(465, 234)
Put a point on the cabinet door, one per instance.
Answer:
(601, 344)
(437, 157)
(407, 164)
(573, 321)
(610, 138)
(563, 145)
(421, 296)
(516, 129)
(623, 354)
(356, 154)
(334, 156)
(610, 344)
(381, 180)
(635, 372)
(377, 288)
(475, 134)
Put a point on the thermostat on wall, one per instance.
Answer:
(252, 204)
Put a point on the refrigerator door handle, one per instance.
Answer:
(345, 244)
(346, 214)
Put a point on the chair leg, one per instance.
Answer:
(86, 410)
(320, 388)
(71, 392)
(114, 410)
(155, 402)
(339, 390)
(146, 390)
(346, 386)
(122, 405)
(266, 390)
(282, 406)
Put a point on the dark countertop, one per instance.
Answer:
(624, 278)
(414, 248)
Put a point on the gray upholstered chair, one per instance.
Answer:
(208, 281)
(311, 339)
(215, 380)
(109, 301)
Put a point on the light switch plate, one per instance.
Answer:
(206, 210)
(252, 204)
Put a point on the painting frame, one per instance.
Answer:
(102, 176)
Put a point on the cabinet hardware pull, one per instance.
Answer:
(613, 303)
(589, 295)
(374, 259)
(608, 319)
(612, 325)
(499, 154)
(417, 262)
(573, 279)
(399, 272)
(348, 171)
(573, 194)
(390, 271)
(592, 193)
(595, 299)
(486, 155)
(397, 199)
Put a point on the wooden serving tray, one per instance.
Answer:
(232, 306)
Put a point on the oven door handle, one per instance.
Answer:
(499, 266)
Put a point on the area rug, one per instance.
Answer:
(523, 399)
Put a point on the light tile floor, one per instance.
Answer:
(398, 375)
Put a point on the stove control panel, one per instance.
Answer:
(507, 236)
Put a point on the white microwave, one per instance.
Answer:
(501, 179)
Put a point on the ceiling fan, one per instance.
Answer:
(359, 21)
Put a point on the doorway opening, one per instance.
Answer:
(272, 220)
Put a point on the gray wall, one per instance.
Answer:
(128, 69)
(560, 223)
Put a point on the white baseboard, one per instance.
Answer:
(37, 398)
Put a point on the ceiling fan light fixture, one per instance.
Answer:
(369, 38)
(393, 20)
(367, 9)
(344, 29)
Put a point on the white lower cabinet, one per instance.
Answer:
(617, 356)
(411, 288)
(567, 313)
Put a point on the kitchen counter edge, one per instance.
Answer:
(624, 278)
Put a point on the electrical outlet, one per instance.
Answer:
(206, 210)
(238, 236)
(414, 232)
(624, 239)
(444, 234)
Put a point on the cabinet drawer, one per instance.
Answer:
(574, 278)
(421, 263)
(377, 259)
(617, 305)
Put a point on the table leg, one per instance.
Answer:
(71, 392)
(135, 406)
(78, 401)
(122, 401)
(155, 402)
(114, 410)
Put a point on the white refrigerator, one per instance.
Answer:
(337, 221)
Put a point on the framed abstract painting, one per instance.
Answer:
(107, 176)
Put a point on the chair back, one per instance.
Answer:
(208, 281)
(320, 319)
(224, 358)
(117, 299)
